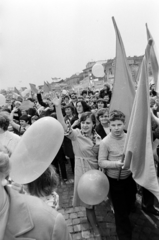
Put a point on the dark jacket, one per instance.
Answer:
(100, 131)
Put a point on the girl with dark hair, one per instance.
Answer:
(81, 107)
(85, 143)
(101, 103)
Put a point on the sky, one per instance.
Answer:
(43, 39)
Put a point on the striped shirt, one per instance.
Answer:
(111, 151)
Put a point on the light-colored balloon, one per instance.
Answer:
(2, 100)
(36, 150)
(98, 70)
(93, 187)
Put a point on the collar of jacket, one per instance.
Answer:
(19, 220)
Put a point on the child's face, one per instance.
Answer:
(117, 127)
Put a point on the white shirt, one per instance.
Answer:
(9, 139)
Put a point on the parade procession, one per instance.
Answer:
(79, 155)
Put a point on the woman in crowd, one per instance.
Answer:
(81, 107)
(103, 118)
(105, 91)
(85, 145)
(101, 103)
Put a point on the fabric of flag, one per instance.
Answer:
(154, 61)
(138, 145)
(33, 88)
(17, 91)
(49, 86)
(124, 87)
(46, 88)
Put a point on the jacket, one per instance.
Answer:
(30, 218)
(100, 131)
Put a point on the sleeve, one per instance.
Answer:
(72, 133)
(40, 101)
(103, 156)
(61, 231)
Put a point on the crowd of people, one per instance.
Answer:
(94, 139)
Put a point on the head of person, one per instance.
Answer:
(24, 120)
(32, 111)
(51, 105)
(90, 93)
(96, 93)
(4, 122)
(116, 123)
(103, 116)
(82, 106)
(84, 93)
(45, 184)
(106, 98)
(69, 110)
(34, 118)
(101, 103)
(73, 97)
(107, 87)
(17, 104)
(24, 112)
(89, 101)
(88, 122)
(66, 99)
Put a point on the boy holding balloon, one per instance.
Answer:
(123, 190)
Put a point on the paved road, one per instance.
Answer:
(145, 227)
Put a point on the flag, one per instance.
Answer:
(17, 92)
(154, 61)
(49, 86)
(138, 145)
(124, 87)
(33, 88)
(46, 88)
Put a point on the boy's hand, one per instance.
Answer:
(119, 164)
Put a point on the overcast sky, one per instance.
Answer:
(40, 39)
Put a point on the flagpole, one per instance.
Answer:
(122, 160)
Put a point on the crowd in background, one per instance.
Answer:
(77, 111)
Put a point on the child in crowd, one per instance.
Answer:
(122, 191)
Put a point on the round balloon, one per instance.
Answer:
(98, 70)
(93, 187)
(2, 100)
(36, 150)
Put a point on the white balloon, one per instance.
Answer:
(2, 100)
(36, 150)
(98, 70)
